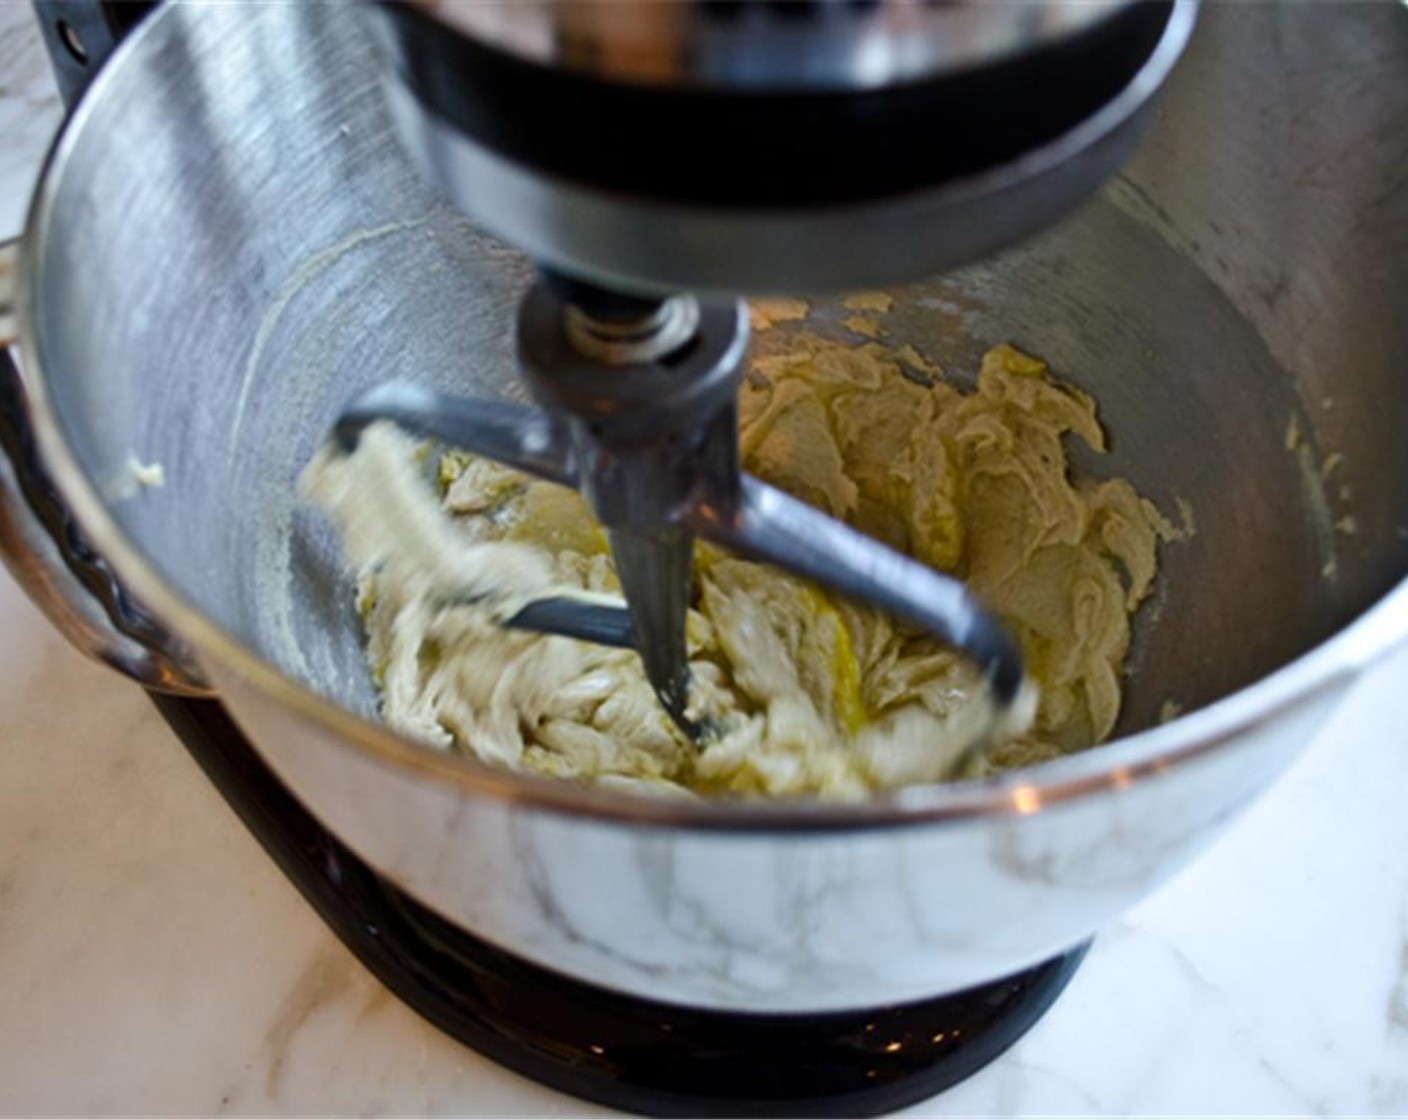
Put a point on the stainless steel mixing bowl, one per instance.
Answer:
(226, 244)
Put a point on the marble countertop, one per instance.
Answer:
(153, 960)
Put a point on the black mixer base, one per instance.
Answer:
(627, 1053)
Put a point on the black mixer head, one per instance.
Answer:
(752, 148)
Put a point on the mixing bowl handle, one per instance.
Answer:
(45, 550)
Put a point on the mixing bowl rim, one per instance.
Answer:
(1115, 765)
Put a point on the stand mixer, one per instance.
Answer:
(228, 242)
(657, 162)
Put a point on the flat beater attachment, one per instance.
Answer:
(637, 410)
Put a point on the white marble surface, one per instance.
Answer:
(152, 960)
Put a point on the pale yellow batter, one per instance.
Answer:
(816, 696)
